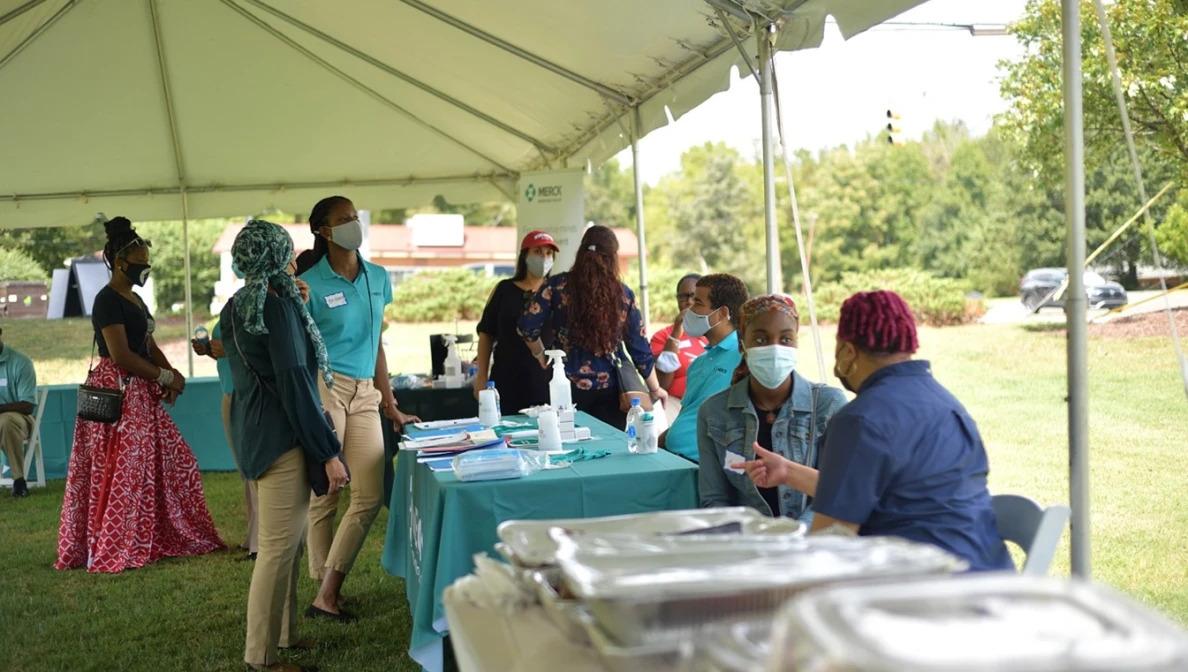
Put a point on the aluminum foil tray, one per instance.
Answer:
(975, 624)
(644, 591)
(527, 543)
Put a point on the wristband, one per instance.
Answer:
(165, 378)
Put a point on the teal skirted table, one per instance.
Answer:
(197, 413)
(437, 523)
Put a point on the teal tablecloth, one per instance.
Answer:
(437, 523)
(197, 413)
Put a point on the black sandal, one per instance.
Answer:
(341, 616)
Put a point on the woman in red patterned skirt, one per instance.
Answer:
(133, 492)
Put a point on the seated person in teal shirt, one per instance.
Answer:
(717, 301)
(769, 410)
(18, 394)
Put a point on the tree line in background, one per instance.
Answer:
(975, 212)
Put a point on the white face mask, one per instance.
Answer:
(348, 236)
(770, 365)
(539, 266)
(697, 324)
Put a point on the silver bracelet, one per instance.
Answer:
(165, 378)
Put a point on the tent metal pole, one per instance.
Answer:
(372, 60)
(19, 10)
(186, 263)
(644, 301)
(775, 283)
(581, 80)
(1075, 305)
(37, 32)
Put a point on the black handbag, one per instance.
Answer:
(100, 404)
(631, 383)
(316, 471)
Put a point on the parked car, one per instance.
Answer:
(1039, 283)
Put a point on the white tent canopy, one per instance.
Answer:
(245, 105)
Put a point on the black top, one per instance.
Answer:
(112, 308)
(280, 409)
(516, 373)
(770, 495)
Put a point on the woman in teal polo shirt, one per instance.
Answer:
(347, 296)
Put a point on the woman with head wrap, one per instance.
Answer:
(276, 355)
(770, 410)
(133, 492)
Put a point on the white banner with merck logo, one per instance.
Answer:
(553, 201)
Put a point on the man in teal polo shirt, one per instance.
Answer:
(717, 302)
(18, 396)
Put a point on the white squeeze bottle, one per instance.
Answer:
(452, 366)
(560, 395)
(649, 441)
(490, 412)
(632, 427)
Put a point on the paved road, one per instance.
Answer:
(1011, 310)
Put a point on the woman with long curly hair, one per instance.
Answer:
(591, 312)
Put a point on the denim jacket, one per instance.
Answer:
(727, 422)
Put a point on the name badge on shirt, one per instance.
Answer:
(336, 300)
(3, 382)
(734, 462)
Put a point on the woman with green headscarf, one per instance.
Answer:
(276, 352)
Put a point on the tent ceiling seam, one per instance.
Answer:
(577, 78)
(285, 39)
(19, 10)
(38, 32)
(167, 94)
(367, 58)
(263, 186)
(685, 69)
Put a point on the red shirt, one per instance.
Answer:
(691, 348)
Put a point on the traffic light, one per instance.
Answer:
(894, 129)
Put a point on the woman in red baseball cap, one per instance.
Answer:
(517, 375)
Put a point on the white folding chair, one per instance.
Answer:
(34, 460)
(1035, 529)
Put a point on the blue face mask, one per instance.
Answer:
(770, 365)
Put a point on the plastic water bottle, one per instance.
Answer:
(489, 411)
(649, 441)
(632, 427)
(549, 430)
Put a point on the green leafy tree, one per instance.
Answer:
(52, 247)
(17, 265)
(168, 259)
(610, 196)
(1152, 53)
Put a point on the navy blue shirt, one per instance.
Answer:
(905, 459)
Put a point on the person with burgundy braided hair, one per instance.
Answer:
(904, 458)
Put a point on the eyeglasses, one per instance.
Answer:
(137, 242)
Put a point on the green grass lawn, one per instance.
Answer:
(181, 614)
(189, 614)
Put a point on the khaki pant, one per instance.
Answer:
(354, 406)
(249, 490)
(272, 601)
(14, 430)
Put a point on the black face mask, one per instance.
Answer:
(138, 274)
